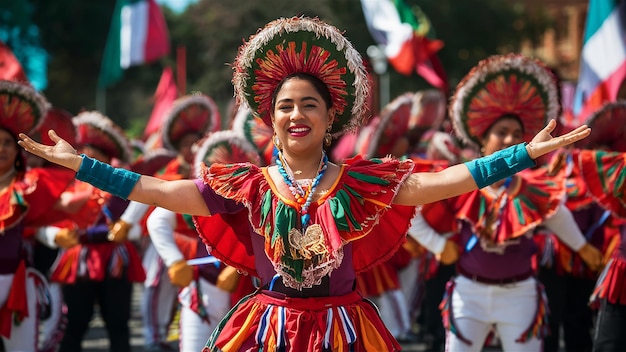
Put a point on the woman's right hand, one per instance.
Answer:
(592, 256)
(450, 253)
(61, 153)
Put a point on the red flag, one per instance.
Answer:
(10, 67)
(164, 96)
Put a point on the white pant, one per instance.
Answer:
(158, 299)
(477, 307)
(409, 280)
(195, 332)
(23, 336)
(394, 312)
(52, 328)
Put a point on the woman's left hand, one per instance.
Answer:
(543, 143)
(61, 153)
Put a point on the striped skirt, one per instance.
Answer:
(269, 321)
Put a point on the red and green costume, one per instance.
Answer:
(357, 227)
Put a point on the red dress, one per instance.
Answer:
(353, 227)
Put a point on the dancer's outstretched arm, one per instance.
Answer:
(427, 187)
(179, 196)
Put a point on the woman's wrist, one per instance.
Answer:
(119, 182)
(499, 165)
(76, 162)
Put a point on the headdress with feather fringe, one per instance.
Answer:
(225, 147)
(393, 125)
(22, 109)
(60, 121)
(152, 161)
(500, 85)
(193, 113)
(95, 129)
(443, 145)
(428, 118)
(255, 131)
(608, 128)
(307, 45)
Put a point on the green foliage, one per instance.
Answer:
(74, 34)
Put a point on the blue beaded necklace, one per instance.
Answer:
(304, 197)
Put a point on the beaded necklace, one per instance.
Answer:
(303, 196)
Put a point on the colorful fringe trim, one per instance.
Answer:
(539, 327)
(191, 297)
(447, 314)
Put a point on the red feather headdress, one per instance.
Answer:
(608, 128)
(510, 84)
(225, 147)
(307, 45)
(22, 108)
(195, 113)
(99, 131)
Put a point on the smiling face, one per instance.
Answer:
(8, 151)
(504, 133)
(301, 116)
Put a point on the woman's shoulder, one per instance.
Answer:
(237, 170)
(378, 179)
(235, 181)
(376, 165)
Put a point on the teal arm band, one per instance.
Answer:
(118, 182)
(499, 165)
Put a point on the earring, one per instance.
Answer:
(277, 143)
(328, 138)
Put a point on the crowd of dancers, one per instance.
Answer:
(518, 261)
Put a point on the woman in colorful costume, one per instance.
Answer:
(25, 197)
(45, 249)
(386, 135)
(504, 100)
(204, 297)
(93, 269)
(440, 149)
(603, 173)
(187, 121)
(569, 282)
(305, 226)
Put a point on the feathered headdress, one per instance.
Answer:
(393, 124)
(22, 108)
(501, 85)
(58, 120)
(225, 147)
(96, 130)
(194, 113)
(302, 45)
(255, 131)
(608, 128)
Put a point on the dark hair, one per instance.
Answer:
(317, 83)
(19, 163)
(505, 116)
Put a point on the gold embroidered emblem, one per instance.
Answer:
(307, 245)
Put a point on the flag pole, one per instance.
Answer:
(379, 63)
(101, 96)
